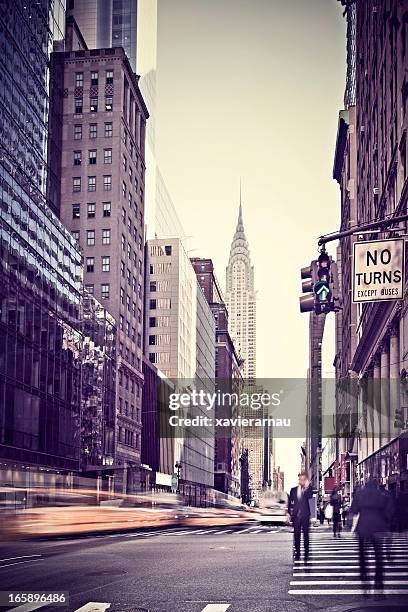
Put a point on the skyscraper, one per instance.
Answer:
(132, 24)
(241, 303)
(240, 298)
(102, 203)
(40, 264)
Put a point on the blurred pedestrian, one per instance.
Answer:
(390, 518)
(328, 513)
(335, 502)
(299, 511)
(370, 505)
(321, 512)
(344, 511)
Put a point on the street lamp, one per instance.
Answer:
(177, 465)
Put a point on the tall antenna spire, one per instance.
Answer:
(240, 202)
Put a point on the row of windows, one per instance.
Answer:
(158, 250)
(105, 290)
(163, 357)
(93, 130)
(130, 331)
(91, 182)
(91, 210)
(92, 157)
(91, 236)
(129, 438)
(105, 264)
(129, 410)
(94, 78)
(93, 105)
(127, 273)
(160, 303)
(125, 300)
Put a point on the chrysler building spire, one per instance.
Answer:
(240, 297)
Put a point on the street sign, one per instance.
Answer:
(378, 270)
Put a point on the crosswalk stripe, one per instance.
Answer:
(29, 607)
(216, 607)
(322, 574)
(347, 591)
(322, 582)
(94, 606)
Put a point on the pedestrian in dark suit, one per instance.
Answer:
(335, 501)
(299, 511)
(371, 505)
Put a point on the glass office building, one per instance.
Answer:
(40, 265)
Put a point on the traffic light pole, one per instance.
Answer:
(383, 224)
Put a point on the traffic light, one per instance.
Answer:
(309, 278)
(321, 285)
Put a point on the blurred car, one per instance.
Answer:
(272, 508)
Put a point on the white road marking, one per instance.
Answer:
(20, 563)
(322, 574)
(216, 607)
(345, 582)
(29, 607)
(347, 592)
(94, 606)
(22, 557)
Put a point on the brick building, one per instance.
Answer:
(228, 375)
(102, 203)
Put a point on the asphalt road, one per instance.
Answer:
(247, 569)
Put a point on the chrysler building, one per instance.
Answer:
(241, 299)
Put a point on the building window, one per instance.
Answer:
(76, 184)
(75, 235)
(94, 78)
(153, 285)
(91, 209)
(77, 158)
(108, 103)
(122, 296)
(152, 304)
(152, 357)
(92, 157)
(106, 209)
(123, 242)
(91, 183)
(105, 291)
(152, 340)
(90, 237)
(107, 156)
(121, 324)
(90, 289)
(93, 105)
(78, 106)
(122, 269)
(90, 264)
(106, 236)
(109, 77)
(76, 211)
(167, 249)
(107, 183)
(93, 130)
(79, 79)
(108, 129)
(152, 321)
(124, 189)
(124, 163)
(105, 263)
(77, 132)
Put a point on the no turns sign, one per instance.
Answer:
(378, 270)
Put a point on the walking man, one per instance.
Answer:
(299, 511)
(335, 501)
(371, 505)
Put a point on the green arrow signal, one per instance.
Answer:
(322, 290)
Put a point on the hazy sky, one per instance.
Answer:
(253, 88)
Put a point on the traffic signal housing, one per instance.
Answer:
(321, 285)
